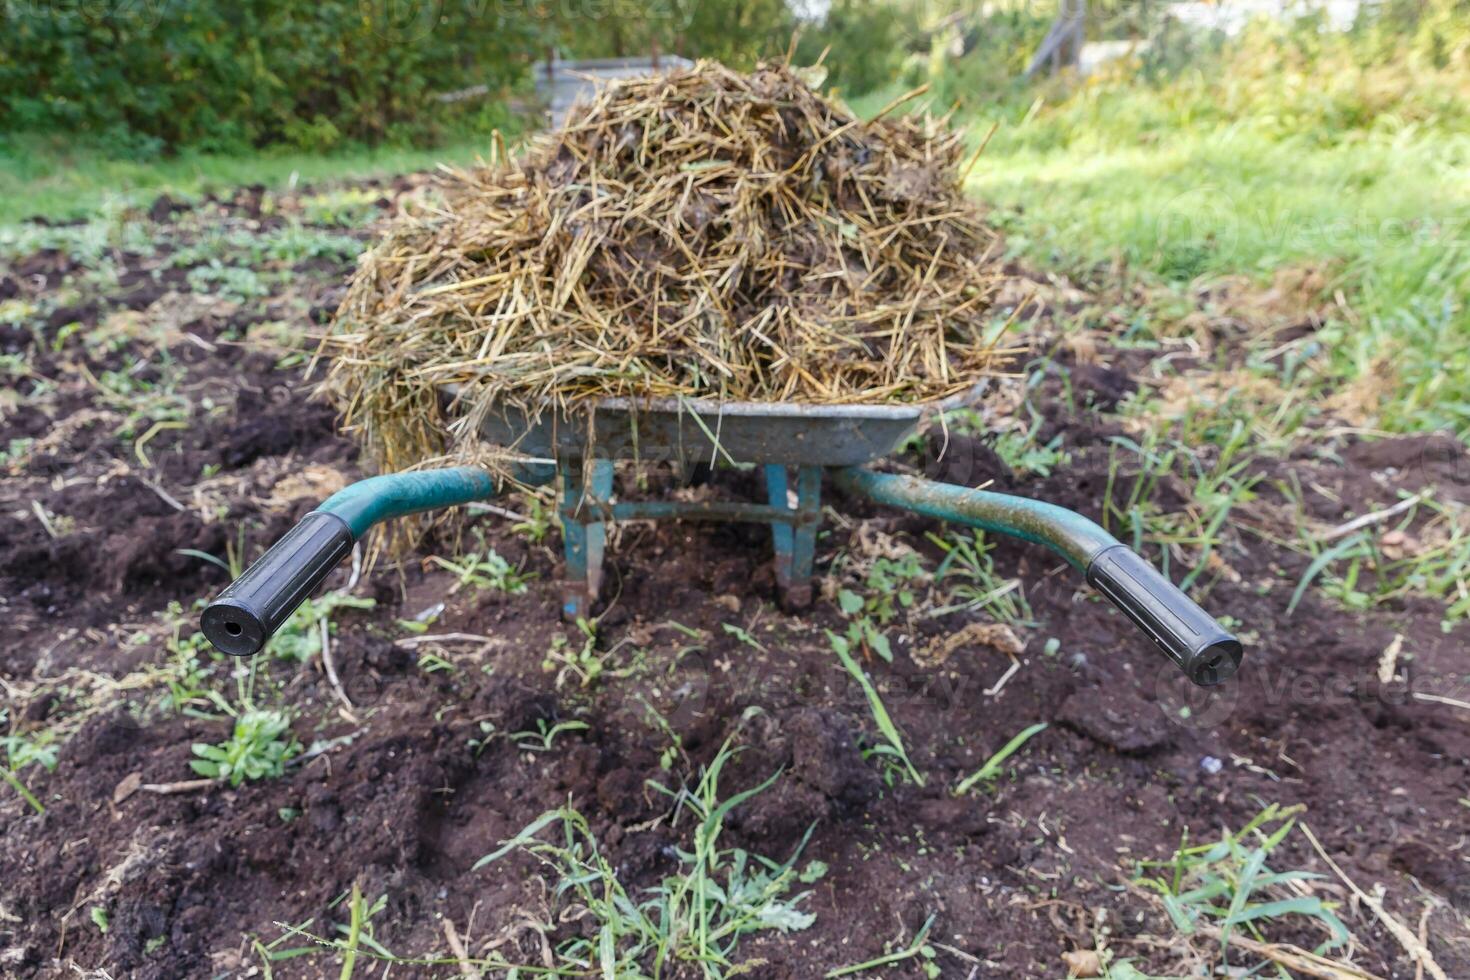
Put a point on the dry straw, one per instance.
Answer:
(703, 234)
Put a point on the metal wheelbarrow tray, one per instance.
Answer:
(795, 444)
(701, 430)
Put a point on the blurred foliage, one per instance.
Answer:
(965, 58)
(865, 43)
(1290, 145)
(133, 79)
(968, 53)
(138, 77)
(141, 77)
(736, 32)
(1402, 64)
(972, 55)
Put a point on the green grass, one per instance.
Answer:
(1224, 889)
(691, 922)
(1347, 153)
(46, 178)
(1387, 213)
(891, 749)
(486, 570)
(991, 770)
(258, 748)
(968, 572)
(1261, 200)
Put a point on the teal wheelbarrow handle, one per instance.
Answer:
(1201, 647)
(250, 611)
(247, 613)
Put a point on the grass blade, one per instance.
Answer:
(991, 769)
(354, 933)
(1318, 564)
(875, 704)
(205, 556)
(20, 788)
(913, 949)
(526, 836)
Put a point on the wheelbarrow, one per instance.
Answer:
(797, 446)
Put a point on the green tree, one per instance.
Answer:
(167, 73)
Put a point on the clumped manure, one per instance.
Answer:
(705, 234)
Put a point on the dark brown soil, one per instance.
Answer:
(404, 805)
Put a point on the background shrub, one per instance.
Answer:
(144, 75)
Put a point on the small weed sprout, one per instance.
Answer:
(488, 734)
(1226, 886)
(889, 590)
(919, 948)
(584, 661)
(13, 366)
(892, 746)
(674, 751)
(968, 569)
(16, 452)
(1371, 566)
(235, 282)
(13, 781)
(744, 636)
(1023, 454)
(695, 917)
(543, 739)
(357, 931)
(352, 939)
(538, 519)
(16, 312)
(345, 208)
(22, 751)
(489, 571)
(258, 748)
(1213, 492)
(185, 676)
(1017, 448)
(433, 663)
(293, 243)
(991, 770)
(299, 640)
(36, 749)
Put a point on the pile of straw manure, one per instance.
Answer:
(705, 234)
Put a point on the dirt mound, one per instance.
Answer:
(704, 234)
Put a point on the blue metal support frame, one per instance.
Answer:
(794, 538)
(584, 539)
(244, 616)
(781, 530)
(804, 539)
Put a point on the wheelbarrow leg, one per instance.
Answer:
(795, 541)
(584, 539)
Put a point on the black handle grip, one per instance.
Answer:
(1202, 648)
(247, 613)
